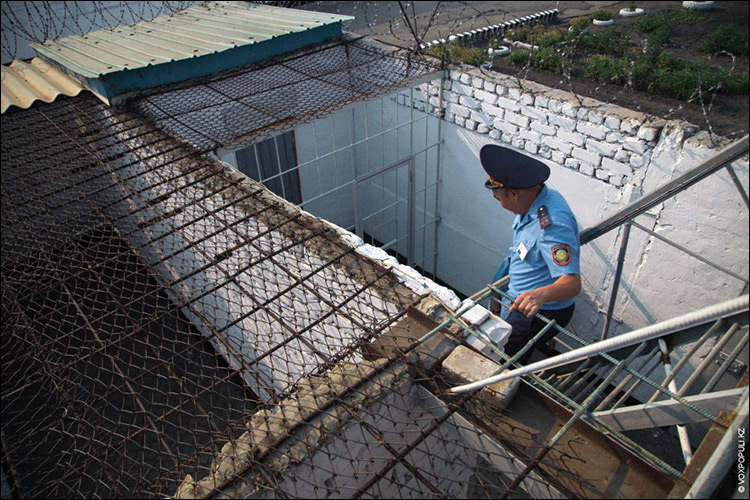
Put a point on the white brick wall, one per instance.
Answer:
(595, 139)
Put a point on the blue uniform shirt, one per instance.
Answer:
(540, 255)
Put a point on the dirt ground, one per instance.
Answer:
(721, 114)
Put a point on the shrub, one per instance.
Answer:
(454, 51)
(541, 35)
(550, 59)
(728, 38)
(520, 57)
(603, 15)
(606, 69)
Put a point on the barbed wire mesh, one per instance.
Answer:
(170, 328)
(238, 107)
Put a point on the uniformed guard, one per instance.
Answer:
(544, 263)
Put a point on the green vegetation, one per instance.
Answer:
(729, 38)
(603, 15)
(454, 51)
(617, 61)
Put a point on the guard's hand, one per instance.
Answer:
(528, 303)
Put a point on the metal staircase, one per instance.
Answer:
(702, 413)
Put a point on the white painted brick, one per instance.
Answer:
(527, 99)
(465, 78)
(562, 122)
(563, 147)
(517, 142)
(469, 102)
(495, 134)
(615, 167)
(622, 155)
(571, 137)
(570, 110)
(635, 145)
(535, 114)
(481, 118)
(637, 161)
(470, 124)
(477, 82)
(493, 111)
(501, 90)
(587, 156)
(603, 148)
(616, 180)
(505, 127)
(602, 174)
(614, 137)
(521, 121)
(455, 75)
(448, 84)
(452, 97)
(586, 169)
(582, 113)
(514, 93)
(419, 105)
(460, 88)
(459, 120)
(542, 128)
(488, 97)
(572, 163)
(507, 138)
(595, 117)
(489, 86)
(648, 133)
(612, 122)
(508, 104)
(555, 106)
(630, 126)
(434, 90)
(545, 152)
(596, 131)
(434, 101)
(459, 110)
(530, 136)
(558, 156)
(531, 147)
(541, 102)
(482, 128)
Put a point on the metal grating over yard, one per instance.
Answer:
(241, 106)
(151, 300)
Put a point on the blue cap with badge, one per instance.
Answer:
(511, 169)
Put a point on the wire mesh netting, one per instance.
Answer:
(171, 328)
(133, 272)
(244, 105)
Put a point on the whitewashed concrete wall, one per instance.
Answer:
(602, 157)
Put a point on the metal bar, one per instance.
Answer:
(670, 412)
(708, 360)
(687, 452)
(727, 155)
(738, 184)
(723, 368)
(625, 380)
(726, 454)
(618, 275)
(689, 354)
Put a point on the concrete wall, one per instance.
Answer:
(602, 157)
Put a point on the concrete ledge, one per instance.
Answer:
(464, 366)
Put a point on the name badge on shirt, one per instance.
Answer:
(522, 250)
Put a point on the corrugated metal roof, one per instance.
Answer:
(205, 30)
(25, 82)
